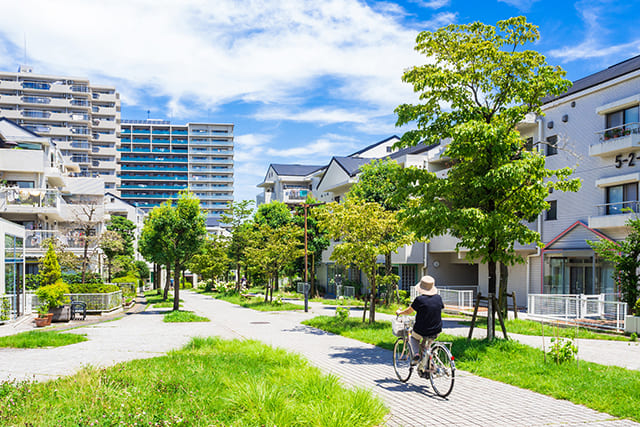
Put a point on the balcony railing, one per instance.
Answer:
(618, 208)
(29, 197)
(154, 177)
(619, 131)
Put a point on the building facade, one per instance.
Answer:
(80, 117)
(158, 160)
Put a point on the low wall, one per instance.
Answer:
(96, 303)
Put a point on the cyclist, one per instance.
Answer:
(428, 305)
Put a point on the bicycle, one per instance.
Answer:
(439, 367)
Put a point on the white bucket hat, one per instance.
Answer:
(427, 286)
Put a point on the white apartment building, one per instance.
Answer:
(158, 160)
(80, 117)
(38, 193)
(290, 184)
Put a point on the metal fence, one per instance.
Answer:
(594, 311)
(341, 291)
(96, 303)
(452, 297)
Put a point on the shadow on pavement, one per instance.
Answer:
(392, 384)
(362, 356)
(307, 330)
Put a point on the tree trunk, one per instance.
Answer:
(109, 269)
(314, 292)
(238, 277)
(372, 308)
(176, 287)
(391, 287)
(167, 284)
(502, 293)
(266, 290)
(491, 318)
(84, 258)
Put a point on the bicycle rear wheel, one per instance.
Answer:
(443, 370)
(402, 359)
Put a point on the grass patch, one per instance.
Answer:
(603, 388)
(257, 303)
(209, 382)
(165, 304)
(183, 316)
(39, 339)
(530, 327)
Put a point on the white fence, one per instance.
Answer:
(595, 311)
(96, 303)
(452, 297)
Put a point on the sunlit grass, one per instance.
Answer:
(209, 382)
(183, 316)
(604, 388)
(37, 339)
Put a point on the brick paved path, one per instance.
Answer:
(412, 404)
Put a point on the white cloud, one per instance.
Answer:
(595, 43)
(432, 4)
(441, 20)
(523, 5)
(316, 152)
(315, 115)
(212, 52)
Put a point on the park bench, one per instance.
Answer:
(80, 308)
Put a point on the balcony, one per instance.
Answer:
(36, 241)
(153, 159)
(154, 177)
(617, 140)
(30, 201)
(614, 215)
(152, 187)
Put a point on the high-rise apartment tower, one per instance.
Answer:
(80, 118)
(158, 159)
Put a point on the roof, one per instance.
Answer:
(351, 165)
(416, 149)
(11, 131)
(373, 145)
(295, 170)
(614, 71)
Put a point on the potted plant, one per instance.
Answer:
(632, 323)
(53, 297)
(44, 317)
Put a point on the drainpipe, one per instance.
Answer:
(540, 123)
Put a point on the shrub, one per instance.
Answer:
(89, 277)
(225, 287)
(32, 281)
(636, 308)
(50, 273)
(562, 350)
(92, 288)
(342, 313)
(185, 284)
(53, 295)
(125, 279)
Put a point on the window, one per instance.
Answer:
(389, 149)
(620, 197)
(552, 212)
(552, 145)
(528, 145)
(621, 122)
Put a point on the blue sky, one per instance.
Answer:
(302, 80)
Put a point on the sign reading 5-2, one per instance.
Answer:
(631, 158)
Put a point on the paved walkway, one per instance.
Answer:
(474, 401)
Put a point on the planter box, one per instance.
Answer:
(61, 314)
(632, 324)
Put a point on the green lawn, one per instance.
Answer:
(257, 303)
(183, 316)
(209, 382)
(603, 388)
(529, 327)
(37, 339)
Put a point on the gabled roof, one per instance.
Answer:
(351, 165)
(295, 170)
(574, 236)
(373, 145)
(10, 130)
(120, 198)
(614, 71)
(416, 149)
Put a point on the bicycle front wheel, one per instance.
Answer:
(443, 370)
(402, 359)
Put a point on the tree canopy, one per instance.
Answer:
(474, 90)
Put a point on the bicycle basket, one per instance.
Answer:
(400, 327)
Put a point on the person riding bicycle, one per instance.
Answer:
(428, 305)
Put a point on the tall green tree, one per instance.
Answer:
(477, 85)
(365, 231)
(274, 214)
(50, 272)
(625, 255)
(111, 244)
(237, 219)
(126, 229)
(156, 235)
(213, 260)
(317, 239)
(188, 232)
(378, 182)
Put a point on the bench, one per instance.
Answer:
(80, 308)
(245, 296)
